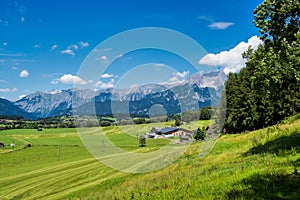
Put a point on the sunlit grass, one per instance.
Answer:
(262, 164)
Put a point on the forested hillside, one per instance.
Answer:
(268, 89)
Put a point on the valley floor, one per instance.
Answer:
(264, 164)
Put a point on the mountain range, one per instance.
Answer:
(199, 90)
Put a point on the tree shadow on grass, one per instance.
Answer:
(267, 186)
(279, 146)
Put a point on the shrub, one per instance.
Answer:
(142, 141)
(105, 123)
(200, 134)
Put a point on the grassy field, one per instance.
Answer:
(264, 164)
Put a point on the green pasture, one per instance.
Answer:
(264, 164)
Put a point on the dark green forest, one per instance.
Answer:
(267, 90)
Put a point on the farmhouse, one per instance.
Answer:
(170, 132)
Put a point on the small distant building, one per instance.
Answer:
(164, 131)
(1, 145)
(184, 134)
(39, 129)
(186, 139)
(151, 135)
(210, 131)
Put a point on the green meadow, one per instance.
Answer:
(263, 164)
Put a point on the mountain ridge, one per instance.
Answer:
(198, 90)
(8, 108)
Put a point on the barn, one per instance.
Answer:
(172, 131)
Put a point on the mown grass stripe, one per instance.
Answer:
(46, 179)
(54, 168)
(88, 184)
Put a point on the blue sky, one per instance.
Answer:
(43, 43)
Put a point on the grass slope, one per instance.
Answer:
(263, 164)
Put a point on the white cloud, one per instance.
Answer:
(68, 51)
(8, 89)
(54, 92)
(83, 44)
(4, 44)
(22, 19)
(174, 79)
(172, 82)
(69, 79)
(54, 82)
(178, 78)
(106, 75)
(103, 58)
(103, 85)
(232, 60)
(4, 89)
(73, 46)
(22, 96)
(53, 47)
(220, 25)
(24, 74)
(181, 75)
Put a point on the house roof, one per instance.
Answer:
(164, 130)
(168, 130)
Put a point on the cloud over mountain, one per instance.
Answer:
(71, 79)
(232, 60)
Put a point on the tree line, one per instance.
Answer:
(267, 90)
